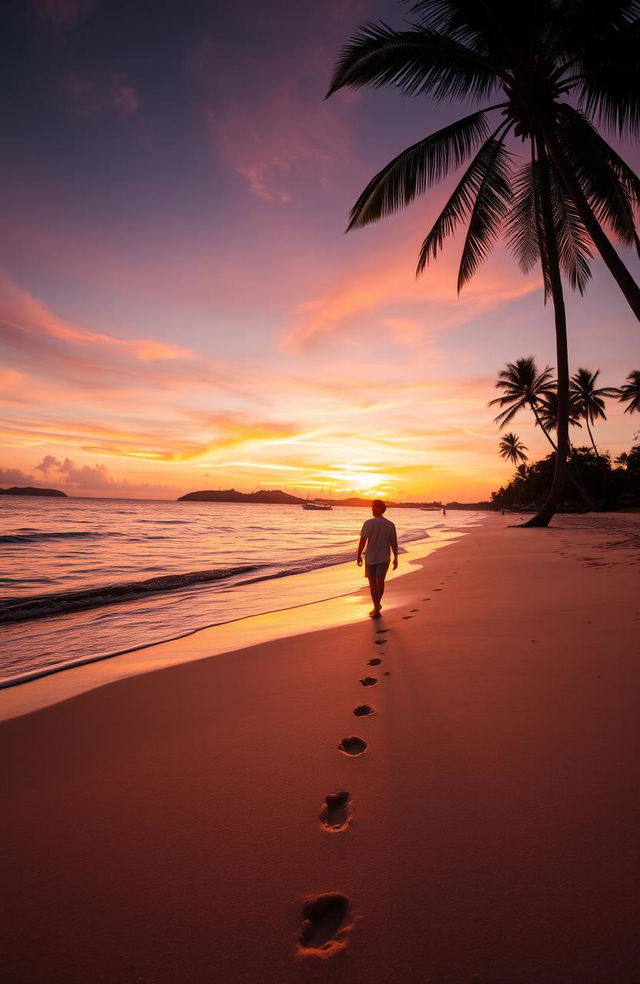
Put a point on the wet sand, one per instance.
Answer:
(234, 820)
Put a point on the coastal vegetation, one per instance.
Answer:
(610, 485)
(524, 387)
(558, 71)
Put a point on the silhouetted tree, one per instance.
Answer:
(512, 449)
(534, 58)
(630, 392)
(522, 387)
(588, 400)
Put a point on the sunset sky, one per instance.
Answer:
(179, 306)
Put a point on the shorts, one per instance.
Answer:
(376, 570)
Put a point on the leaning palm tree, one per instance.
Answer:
(588, 400)
(556, 67)
(523, 387)
(629, 392)
(512, 449)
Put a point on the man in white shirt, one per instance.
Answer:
(379, 535)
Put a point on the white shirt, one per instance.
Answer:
(381, 538)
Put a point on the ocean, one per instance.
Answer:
(85, 579)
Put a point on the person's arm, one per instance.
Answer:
(361, 545)
(394, 547)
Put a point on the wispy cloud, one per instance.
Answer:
(367, 296)
(280, 143)
(91, 95)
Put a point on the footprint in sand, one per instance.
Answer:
(387, 672)
(414, 609)
(374, 662)
(381, 631)
(437, 589)
(369, 681)
(352, 745)
(380, 642)
(405, 617)
(363, 710)
(336, 811)
(325, 926)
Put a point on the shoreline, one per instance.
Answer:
(219, 637)
(167, 828)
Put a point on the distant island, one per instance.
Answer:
(277, 497)
(230, 495)
(30, 490)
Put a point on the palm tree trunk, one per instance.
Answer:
(578, 486)
(593, 443)
(554, 496)
(618, 270)
(602, 465)
(542, 427)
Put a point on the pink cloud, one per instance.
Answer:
(369, 293)
(24, 315)
(279, 142)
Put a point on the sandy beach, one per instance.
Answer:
(174, 826)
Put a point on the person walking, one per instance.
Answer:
(381, 540)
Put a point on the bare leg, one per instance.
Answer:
(375, 596)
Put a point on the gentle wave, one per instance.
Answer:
(63, 602)
(47, 668)
(36, 536)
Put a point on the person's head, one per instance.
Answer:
(378, 507)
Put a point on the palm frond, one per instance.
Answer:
(504, 418)
(416, 61)
(573, 242)
(459, 205)
(610, 70)
(630, 392)
(493, 27)
(417, 168)
(525, 235)
(521, 228)
(490, 207)
(609, 184)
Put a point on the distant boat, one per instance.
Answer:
(315, 505)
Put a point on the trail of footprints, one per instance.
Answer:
(326, 918)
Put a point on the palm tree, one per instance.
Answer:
(629, 392)
(523, 386)
(512, 449)
(531, 56)
(589, 401)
